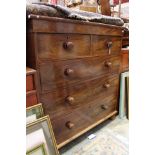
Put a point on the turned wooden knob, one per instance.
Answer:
(106, 85)
(70, 100)
(104, 107)
(69, 71)
(69, 125)
(108, 64)
(68, 45)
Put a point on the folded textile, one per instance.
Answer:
(42, 10)
(64, 12)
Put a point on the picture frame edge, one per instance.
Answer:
(37, 147)
(39, 120)
(34, 106)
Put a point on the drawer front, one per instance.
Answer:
(64, 131)
(101, 107)
(30, 82)
(125, 60)
(105, 45)
(62, 73)
(64, 100)
(79, 120)
(31, 98)
(63, 46)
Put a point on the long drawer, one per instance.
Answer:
(74, 123)
(63, 46)
(61, 73)
(64, 100)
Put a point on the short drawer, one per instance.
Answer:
(67, 126)
(61, 73)
(64, 100)
(30, 82)
(63, 46)
(106, 45)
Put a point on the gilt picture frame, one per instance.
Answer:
(37, 150)
(34, 112)
(43, 124)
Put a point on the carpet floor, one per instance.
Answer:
(111, 138)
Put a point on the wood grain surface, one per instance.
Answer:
(78, 66)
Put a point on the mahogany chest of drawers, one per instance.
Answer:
(78, 65)
(31, 92)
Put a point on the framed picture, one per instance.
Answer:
(40, 131)
(123, 95)
(38, 150)
(127, 95)
(35, 138)
(34, 112)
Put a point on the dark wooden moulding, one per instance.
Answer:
(78, 66)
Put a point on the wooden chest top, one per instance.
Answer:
(59, 25)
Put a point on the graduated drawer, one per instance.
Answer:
(54, 74)
(62, 46)
(68, 126)
(64, 100)
(106, 45)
